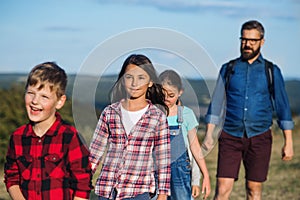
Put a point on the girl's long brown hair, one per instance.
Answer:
(154, 93)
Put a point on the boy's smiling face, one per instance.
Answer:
(42, 103)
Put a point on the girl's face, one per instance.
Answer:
(41, 104)
(136, 81)
(171, 95)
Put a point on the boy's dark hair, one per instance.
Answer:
(48, 73)
(253, 24)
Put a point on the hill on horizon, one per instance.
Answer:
(194, 88)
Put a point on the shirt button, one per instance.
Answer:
(246, 97)
(39, 140)
(246, 109)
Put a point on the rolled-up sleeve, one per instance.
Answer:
(216, 110)
(282, 106)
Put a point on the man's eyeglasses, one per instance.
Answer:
(252, 41)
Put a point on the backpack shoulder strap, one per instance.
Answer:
(270, 76)
(229, 72)
(180, 114)
(268, 69)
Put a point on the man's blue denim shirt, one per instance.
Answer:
(249, 107)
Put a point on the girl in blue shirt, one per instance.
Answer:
(184, 142)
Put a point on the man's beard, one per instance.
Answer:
(249, 55)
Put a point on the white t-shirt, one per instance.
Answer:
(130, 118)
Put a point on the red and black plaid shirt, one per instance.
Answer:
(54, 166)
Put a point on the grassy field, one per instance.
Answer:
(283, 179)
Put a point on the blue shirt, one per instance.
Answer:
(247, 105)
(189, 122)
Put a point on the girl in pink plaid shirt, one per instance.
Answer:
(133, 129)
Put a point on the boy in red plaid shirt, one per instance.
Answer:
(46, 158)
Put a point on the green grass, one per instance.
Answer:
(283, 179)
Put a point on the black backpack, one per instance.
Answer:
(268, 69)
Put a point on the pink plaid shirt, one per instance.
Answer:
(129, 164)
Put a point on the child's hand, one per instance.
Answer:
(195, 191)
(206, 187)
(162, 197)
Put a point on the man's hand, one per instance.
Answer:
(287, 151)
(209, 142)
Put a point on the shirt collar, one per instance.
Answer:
(118, 105)
(52, 131)
(260, 59)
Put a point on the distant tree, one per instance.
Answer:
(12, 114)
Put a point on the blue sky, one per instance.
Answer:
(68, 31)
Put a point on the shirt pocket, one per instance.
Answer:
(25, 164)
(54, 165)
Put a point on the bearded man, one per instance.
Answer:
(248, 103)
